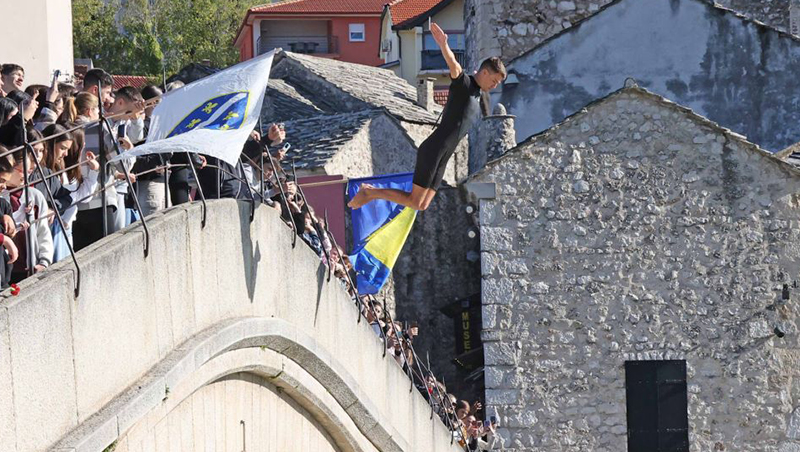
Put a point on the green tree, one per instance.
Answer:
(143, 37)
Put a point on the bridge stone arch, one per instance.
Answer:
(231, 302)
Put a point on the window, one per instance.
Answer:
(357, 33)
(455, 39)
(657, 406)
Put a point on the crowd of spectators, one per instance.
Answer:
(464, 419)
(42, 221)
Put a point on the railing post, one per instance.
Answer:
(28, 212)
(249, 191)
(105, 122)
(199, 189)
(103, 158)
(283, 197)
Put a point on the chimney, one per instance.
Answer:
(495, 136)
(794, 18)
(425, 94)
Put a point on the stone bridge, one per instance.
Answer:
(222, 338)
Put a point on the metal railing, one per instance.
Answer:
(420, 375)
(299, 44)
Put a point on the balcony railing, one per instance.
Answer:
(299, 44)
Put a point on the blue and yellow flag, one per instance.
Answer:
(380, 229)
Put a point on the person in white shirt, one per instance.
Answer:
(67, 183)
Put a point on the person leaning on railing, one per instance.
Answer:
(28, 205)
(128, 112)
(150, 186)
(179, 187)
(62, 166)
(10, 253)
(88, 225)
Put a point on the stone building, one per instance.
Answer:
(636, 249)
(303, 87)
(509, 28)
(352, 120)
(737, 72)
(359, 144)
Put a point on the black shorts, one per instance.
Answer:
(432, 158)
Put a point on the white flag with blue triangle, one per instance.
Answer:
(212, 116)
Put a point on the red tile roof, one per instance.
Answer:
(403, 10)
(440, 95)
(136, 81)
(322, 7)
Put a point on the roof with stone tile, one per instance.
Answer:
(287, 103)
(316, 140)
(652, 97)
(370, 86)
(575, 26)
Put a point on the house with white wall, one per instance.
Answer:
(44, 49)
(407, 46)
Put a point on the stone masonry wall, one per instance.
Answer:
(438, 266)
(636, 232)
(509, 28)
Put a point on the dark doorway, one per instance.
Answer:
(657, 406)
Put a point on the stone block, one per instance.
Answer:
(500, 397)
(497, 290)
(97, 342)
(42, 370)
(496, 239)
(7, 422)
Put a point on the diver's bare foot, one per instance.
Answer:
(361, 198)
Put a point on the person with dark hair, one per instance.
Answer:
(151, 190)
(35, 137)
(29, 208)
(8, 109)
(51, 105)
(179, 175)
(13, 132)
(460, 112)
(12, 77)
(34, 90)
(94, 79)
(68, 188)
(9, 252)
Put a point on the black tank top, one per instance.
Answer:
(461, 110)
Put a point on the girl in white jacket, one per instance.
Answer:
(31, 214)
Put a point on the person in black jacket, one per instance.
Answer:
(10, 253)
(222, 180)
(151, 185)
